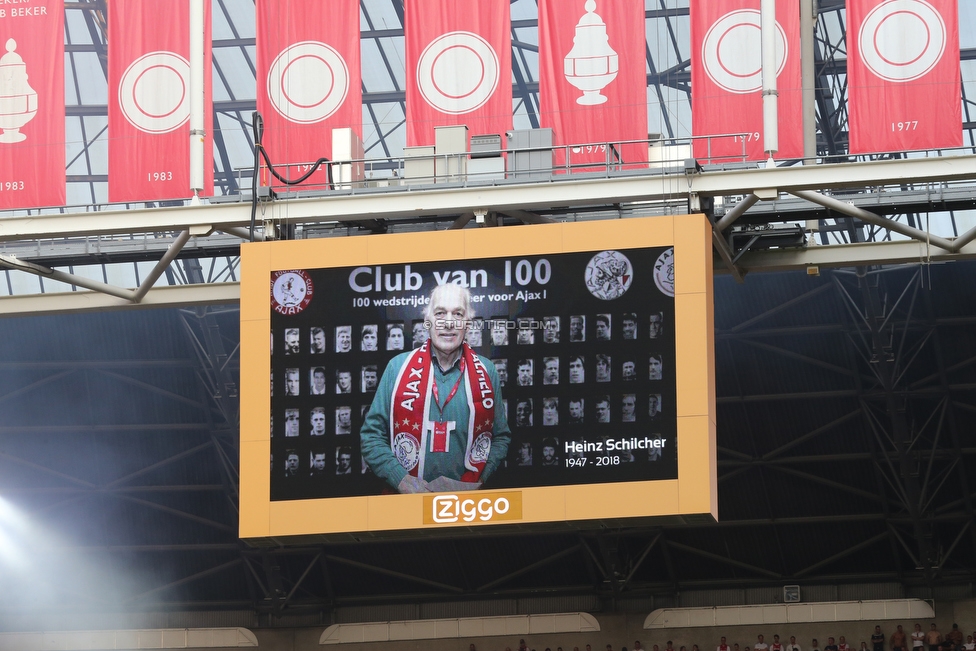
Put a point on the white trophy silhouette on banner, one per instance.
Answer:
(592, 64)
(17, 99)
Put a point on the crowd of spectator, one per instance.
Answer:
(899, 640)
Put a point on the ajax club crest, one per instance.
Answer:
(609, 275)
(291, 291)
(406, 450)
(664, 272)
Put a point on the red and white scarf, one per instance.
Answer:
(413, 433)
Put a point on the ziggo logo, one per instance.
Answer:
(478, 507)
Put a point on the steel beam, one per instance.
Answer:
(881, 222)
(393, 573)
(401, 203)
(70, 302)
(724, 559)
(528, 568)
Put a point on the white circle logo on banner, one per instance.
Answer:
(902, 40)
(732, 51)
(308, 82)
(458, 72)
(155, 92)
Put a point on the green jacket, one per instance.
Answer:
(375, 435)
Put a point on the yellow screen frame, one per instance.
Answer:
(693, 493)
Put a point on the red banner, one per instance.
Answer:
(149, 101)
(309, 80)
(592, 78)
(903, 75)
(459, 67)
(726, 80)
(32, 108)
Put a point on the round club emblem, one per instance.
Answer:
(291, 291)
(732, 51)
(458, 72)
(480, 448)
(664, 272)
(154, 92)
(902, 40)
(308, 82)
(406, 450)
(608, 275)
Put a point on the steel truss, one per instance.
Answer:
(878, 433)
(668, 75)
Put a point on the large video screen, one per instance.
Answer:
(473, 377)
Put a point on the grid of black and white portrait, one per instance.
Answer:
(583, 344)
(589, 395)
(323, 380)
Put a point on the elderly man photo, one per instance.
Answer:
(437, 422)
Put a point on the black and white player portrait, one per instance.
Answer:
(343, 417)
(628, 370)
(317, 463)
(369, 338)
(499, 330)
(343, 460)
(628, 326)
(394, 336)
(550, 411)
(655, 368)
(501, 366)
(317, 421)
(603, 409)
(291, 464)
(577, 328)
(293, 382)
(343, 339)
(575, 411)
(418, 333)
(603, 373)
(523, 412)
(550, 370)
(654, 405)
(526, 335)
(525, 372)
(525, 454)
(473, 335)
(603, 327)
(369, 378)
(291, 423)
(550, 448)
(655, 326)
(577, 374)
(343, 381)
(317, 380)
(550, 330)
(293, 341)
(316, 340)
(628, 408)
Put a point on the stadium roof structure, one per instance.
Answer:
(845, 372)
